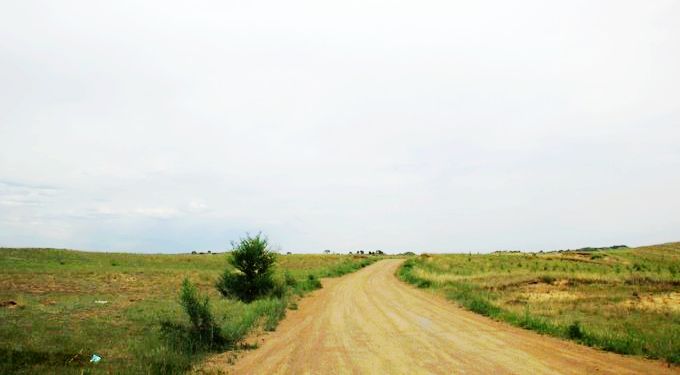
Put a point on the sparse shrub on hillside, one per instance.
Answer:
(639, 267)
(254, 261)
(547, 279)
(673, 269)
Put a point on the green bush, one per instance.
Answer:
(547, 279)
(279, 289)
(291, 281)
(574, 331)
(254, 262)
(198, 310)
(203, 332)
(313, 282)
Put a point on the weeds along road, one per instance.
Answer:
(369, 322)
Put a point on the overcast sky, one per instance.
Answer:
(163, 126)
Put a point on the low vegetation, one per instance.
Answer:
(618, 299)
(58, 307)
(202, 333)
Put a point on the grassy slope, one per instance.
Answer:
(622, 300)
(57, 325)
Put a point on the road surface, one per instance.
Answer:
(369, 322)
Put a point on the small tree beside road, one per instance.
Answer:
(254, 263)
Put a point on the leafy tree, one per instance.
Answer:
(254, 261)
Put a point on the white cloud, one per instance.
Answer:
(197, 206)
(17, 194)
(411, 125)
(151, 212)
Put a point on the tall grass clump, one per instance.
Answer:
(405, 272)
(312, 282)
(202, 333)
(346, 267)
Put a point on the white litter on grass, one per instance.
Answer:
(95, 358)
(101, 302)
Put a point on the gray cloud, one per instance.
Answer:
(18, 194)
(434, 126)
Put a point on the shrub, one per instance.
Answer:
(254, 262)
(547, 279)
(313, 282)
(273, 310)
(203, 332)
(279, 289)
(574, 331)
(673, 269)
(290, 279)
(308, 284)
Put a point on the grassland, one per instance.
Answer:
(625, 300)
(71, 304)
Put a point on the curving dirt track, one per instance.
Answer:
(369, 322)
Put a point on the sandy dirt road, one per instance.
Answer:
(369, 322)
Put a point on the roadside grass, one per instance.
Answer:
(624, 300)
(72, 304)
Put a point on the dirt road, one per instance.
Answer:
(369, 322)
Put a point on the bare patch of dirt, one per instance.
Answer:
(562, 283)
(575, 257)
(659, 302)
(541, 292)
(555, 295)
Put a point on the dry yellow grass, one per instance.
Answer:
(624, 300)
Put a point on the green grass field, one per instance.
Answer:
(58, 323)
(625, 300)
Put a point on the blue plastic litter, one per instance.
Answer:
(95, 358)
